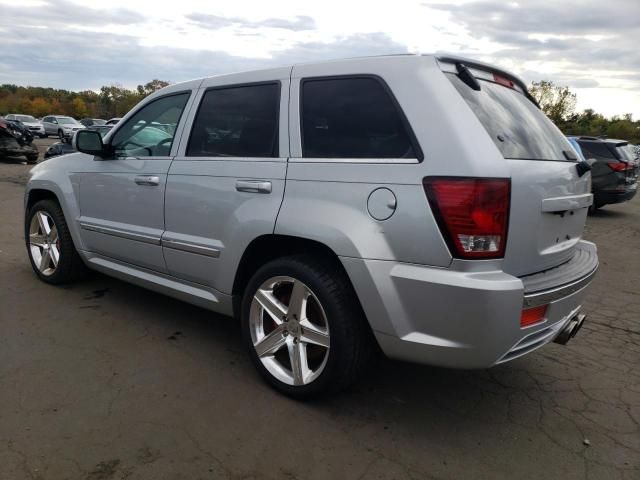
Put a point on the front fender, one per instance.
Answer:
(54, 176)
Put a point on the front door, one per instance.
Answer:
(122, 198)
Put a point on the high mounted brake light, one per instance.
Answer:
(504, 81)
(472, 213)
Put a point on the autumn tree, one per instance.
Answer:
(79, 108)
(39, 107)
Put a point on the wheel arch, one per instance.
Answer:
(265, 248)
(36, 194)
(38, 190)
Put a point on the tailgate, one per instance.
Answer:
(549, 205)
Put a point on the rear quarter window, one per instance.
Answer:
(353, 117)
(519, 129)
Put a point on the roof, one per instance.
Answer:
(440, 56)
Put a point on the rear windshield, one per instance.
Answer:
(519, 129)
(596, 149)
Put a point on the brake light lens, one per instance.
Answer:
(472, 213)
(505, 82)
(531, 316)
(619, 166)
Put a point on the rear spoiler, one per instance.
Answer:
(455, 60)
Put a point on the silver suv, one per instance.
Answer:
(422, 204)
(63, 127)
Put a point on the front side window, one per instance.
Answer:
(237, 122)
(150, 131)
(352, 117)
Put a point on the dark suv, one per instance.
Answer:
(615, 171)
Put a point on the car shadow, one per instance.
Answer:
(390, 391)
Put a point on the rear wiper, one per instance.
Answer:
(467, 77)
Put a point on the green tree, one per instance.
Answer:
(559, 103)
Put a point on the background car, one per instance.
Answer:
(89, 122)
(64, 147)
(614, 174)
(15, 141)
(60, 125)
(33, 124)
(113, 121)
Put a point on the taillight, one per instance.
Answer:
(531, 316)
(620, 166)
(472, 213)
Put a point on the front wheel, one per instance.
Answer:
(51, 251)
(304, 327)
(61, 135)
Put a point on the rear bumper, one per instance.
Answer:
(607, 198)
(466, 319)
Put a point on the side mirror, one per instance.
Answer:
(90, 142)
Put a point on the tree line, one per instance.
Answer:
(111, 101)
(558, 102)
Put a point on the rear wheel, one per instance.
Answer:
(304, 328)
(51, 251)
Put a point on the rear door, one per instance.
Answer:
(549, 200)
(226, 185)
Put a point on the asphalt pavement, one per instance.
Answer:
(105, 380)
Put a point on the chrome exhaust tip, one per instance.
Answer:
(571, 329)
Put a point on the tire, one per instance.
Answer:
(331, 300)
(69, 265)
(61, 135)
(32, 159)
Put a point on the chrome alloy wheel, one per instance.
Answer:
(289, 330)
(44, 243)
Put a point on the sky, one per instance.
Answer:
(592, 46)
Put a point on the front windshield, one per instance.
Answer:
(25, 118)
(67, 121)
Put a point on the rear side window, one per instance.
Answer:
(237, 122)
(352, 117)
(519, 129)
(597, 150)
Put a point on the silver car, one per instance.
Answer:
(422, 204)
(62, 126)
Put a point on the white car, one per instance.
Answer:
(62, 126)
(33, 124)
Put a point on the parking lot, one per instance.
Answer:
(105, 380)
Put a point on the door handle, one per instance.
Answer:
(253, 186)
(150, 180)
